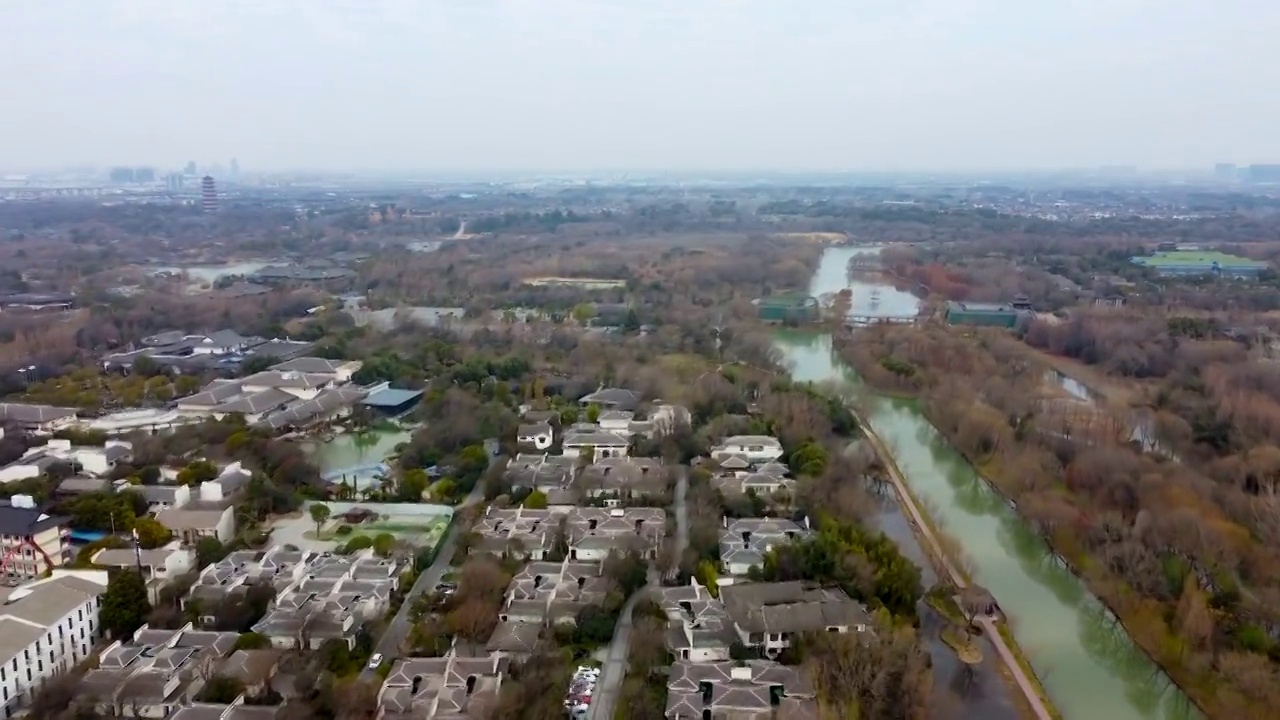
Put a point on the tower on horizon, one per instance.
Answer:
(208, 194)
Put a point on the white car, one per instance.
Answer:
(375, 661)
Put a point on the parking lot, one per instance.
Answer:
(577, 701)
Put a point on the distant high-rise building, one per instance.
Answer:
(173, 182)
(190, 169)
(1264, 173)
(1225, 171)
(235, 169)
(208, 194)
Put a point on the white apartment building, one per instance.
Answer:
(46, 627)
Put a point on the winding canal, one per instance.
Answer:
(1083, 657)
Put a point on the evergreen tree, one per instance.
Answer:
(125, 605)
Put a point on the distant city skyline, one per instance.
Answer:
(680, 85)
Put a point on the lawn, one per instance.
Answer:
(424, 533)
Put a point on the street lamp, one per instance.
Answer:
(137, 550)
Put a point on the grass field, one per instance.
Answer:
(1174, 258)
(424, 533)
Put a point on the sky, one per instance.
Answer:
(679, 85)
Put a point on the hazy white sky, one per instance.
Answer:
(640, 84)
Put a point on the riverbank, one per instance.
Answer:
(1086, 662)
(1037, 700)
(1148, 637)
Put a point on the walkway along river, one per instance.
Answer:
(1082, 655)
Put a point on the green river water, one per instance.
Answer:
(1084, 658)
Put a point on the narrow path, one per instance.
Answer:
(682, 514)
(614, 671)
(615, 667)
(989, 628)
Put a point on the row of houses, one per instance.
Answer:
(290, 395)
(564, 547)
(34, 541)
(52, 624)
(317, 597)
(195, 352)
(157, 673)
(704, 628)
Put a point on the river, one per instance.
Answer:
(1083, 657)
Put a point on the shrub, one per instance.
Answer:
(343, 530)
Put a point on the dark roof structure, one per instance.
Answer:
(392, 397)
(612, 398)
(23, 413)
(24, 521)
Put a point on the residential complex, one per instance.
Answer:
(755, 691)
(154, 672)
(317, 597)
(440, 688)
(745, 541)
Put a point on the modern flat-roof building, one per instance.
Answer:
(982, 314)
(787, 308)
(392, 402)
(1200, 262)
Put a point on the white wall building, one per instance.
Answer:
(191, 524)
(537, 435)
(159, 566)
(92, 460)
(616, 421)
(754, 448)
(46, 627)
(595, 446)
(128, 421)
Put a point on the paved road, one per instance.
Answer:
(682, 514)
(605, 698)
(615, 667)
(398, 629)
